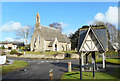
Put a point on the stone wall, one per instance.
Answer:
(55, 56)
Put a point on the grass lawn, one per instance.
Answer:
(87, 75)
(109, 60)
(16, 65)
(45, 53)
(50, 52)
(0, 70)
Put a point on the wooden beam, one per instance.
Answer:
(95, 45)
(87, 45)
(82, 60)
(84, 48)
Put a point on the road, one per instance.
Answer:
(39, 69)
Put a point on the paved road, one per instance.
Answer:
(39, 69)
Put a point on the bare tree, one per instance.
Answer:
(56, 25)
(98, 23)
(25, 33)
(113, 32)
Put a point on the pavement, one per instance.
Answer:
(10, 62)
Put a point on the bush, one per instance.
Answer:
(13, 52)
(3, 54)
(2, 47)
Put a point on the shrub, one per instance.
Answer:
(2, 47)
(13, 52)
(3, 54)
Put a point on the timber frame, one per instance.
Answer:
(91, 44)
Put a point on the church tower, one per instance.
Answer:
(37, 25)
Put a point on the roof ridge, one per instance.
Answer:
(50, 27)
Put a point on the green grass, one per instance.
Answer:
(71, 52)
(45, 53)
(16, 65)
(87, 75)
(0, 70)
(50, 52)
(112, 60)
(108, 60)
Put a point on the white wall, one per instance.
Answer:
(14, 47)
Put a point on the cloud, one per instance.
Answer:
(10, 26)
(64, 24)
(12, 39)
(99, 17)
(9, 39)
(111, 16)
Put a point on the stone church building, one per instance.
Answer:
(48, 39)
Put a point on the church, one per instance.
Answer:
(48, 39)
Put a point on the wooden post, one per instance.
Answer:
(51, 74)
(82, 60)
(93, 70)
(80, 64)
(103, 55)
(86, 58)
(93, 59)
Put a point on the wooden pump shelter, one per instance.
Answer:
(91, 40)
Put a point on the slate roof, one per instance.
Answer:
(66, 38)
(14, 42)
(101, 34)
(50, 34)
(82, 36)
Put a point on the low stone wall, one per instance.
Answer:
(74, 56)
(26, 56)
(56, 56)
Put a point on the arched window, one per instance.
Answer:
(37, 18)
(39, 39)
(35, 42)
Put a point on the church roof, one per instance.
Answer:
(50, 34)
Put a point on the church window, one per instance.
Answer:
(35, 42)
(39, 39)
(37, 18)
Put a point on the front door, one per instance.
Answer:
(55, 47)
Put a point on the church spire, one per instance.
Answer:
(37, 20)
(37, 17)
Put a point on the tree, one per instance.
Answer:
(25, 33)
(112, 31)
(56, 25)
(74, 39)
